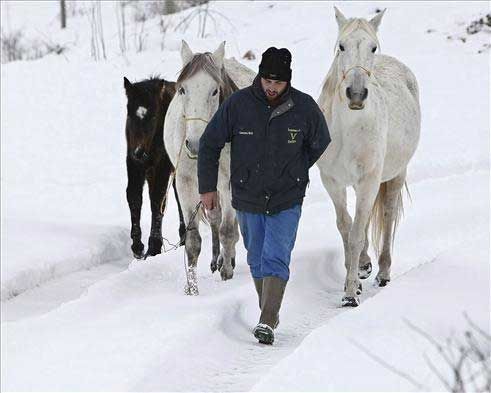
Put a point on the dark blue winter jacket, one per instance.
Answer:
(272, 148)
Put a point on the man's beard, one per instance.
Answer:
(274, 98)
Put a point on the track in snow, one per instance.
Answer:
(206, 343)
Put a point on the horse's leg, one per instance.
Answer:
(337, 192)
(136, 179)
(158, 180)
(215, 218)
(182, 225)
(366, 192)
(229, 236)
(392, 203)
(365, 261)
(189, 200)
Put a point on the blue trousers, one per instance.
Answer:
(269, 241)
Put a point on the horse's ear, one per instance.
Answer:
(340, 18)
(375, 21)
(127, 83)
(162, 88)
(219, 55)
(186, 53)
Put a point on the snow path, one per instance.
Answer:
(422, 299)
(53, 293)
(140, 319)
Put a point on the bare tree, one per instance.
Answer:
(202, 12)
(97, 43)
(466, 361)
(119, 8)
(63, 13)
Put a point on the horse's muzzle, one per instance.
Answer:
(356, 106)
(356, 98)
(140, 155)
(191, 153)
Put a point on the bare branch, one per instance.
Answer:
(437, 373)
(477, 328)
(391, 368)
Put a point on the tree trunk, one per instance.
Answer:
(63, 13)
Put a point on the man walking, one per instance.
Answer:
(277, 133)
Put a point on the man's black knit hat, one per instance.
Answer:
(275, 64)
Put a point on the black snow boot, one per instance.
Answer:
(272, 296)
(258, 283)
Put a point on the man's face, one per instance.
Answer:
(273, 88)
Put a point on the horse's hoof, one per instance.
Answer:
(152, 253)
(138, 255)
(382, 282)
(154, 246)
(264, 334)
(226, 274)
(349, 301)
(191, 285)
(213, 266)
(137, 247)
(365, 271)
(191, 289)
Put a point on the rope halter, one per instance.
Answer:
(345, 74)
(195, 119)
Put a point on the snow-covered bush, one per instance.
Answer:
(15, 46)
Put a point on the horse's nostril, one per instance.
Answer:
(365, 94)
(348, 92)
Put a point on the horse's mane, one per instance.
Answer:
(151, 81)
(205, 62)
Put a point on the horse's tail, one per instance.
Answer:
(377, 221)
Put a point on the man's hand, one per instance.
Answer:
(209, 200)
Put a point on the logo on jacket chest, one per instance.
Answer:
(293, 135)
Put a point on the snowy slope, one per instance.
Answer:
(127, 324)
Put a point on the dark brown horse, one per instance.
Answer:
(146, 158)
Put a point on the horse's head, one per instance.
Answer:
(199, 85)
(356, 46)
(144, 115)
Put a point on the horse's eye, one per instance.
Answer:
(374, 49)
(215, 92)
(181, 91)
(341, 47)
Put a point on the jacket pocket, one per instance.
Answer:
(240, 176)
(299, 174)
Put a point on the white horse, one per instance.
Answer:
(206, 79)
(371, 105)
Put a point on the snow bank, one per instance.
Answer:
(43, 251)
(354, 351)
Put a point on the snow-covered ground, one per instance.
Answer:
(79, 314)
